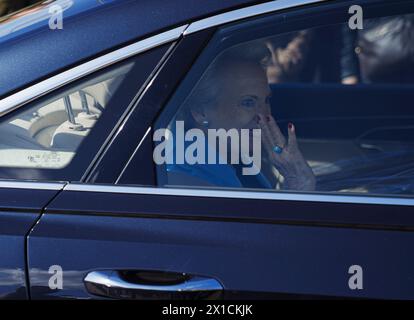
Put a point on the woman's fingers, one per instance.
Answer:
(292, 143)
(272, 136)
(265, 128)
(266, 135)
(275, 131)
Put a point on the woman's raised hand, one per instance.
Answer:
(285, 155)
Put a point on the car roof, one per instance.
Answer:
(30, 51)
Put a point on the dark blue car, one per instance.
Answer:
(102, 195)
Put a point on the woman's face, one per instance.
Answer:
(245, 93)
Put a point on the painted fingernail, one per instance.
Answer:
(290, 126)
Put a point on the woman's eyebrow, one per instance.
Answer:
(250, 96)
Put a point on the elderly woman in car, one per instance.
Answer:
(234, 94)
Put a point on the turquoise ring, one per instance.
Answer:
(277, 149)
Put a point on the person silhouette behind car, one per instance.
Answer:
(10, 6)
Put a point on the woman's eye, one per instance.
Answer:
(248, 103)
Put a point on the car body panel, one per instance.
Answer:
(20, 208)
(279, 251)
(280, 260)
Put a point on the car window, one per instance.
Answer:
(57, 136)
(47, 135)
(291, 102)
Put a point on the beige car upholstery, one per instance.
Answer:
(43, 136)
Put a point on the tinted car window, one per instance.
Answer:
(58, 136)
(48, 135)
(291, 103)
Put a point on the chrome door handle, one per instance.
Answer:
(114, 284)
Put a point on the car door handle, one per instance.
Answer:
(151, 285)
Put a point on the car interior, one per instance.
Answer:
(47, 134)
(358, 138)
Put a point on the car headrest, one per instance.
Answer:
(103, 91)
